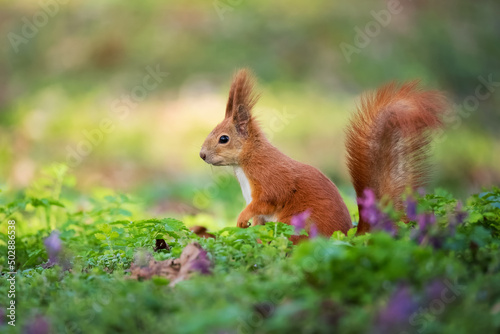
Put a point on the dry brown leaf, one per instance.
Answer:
(201, 232)
(192, 259)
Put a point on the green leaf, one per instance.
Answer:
(159, 280)
(33, 258)
(474, 217)
(105, 228)
(338, 235)
(491, 215)
(100, 236)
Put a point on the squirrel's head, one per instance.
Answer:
(227, 140)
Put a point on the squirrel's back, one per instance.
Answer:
(388, 139)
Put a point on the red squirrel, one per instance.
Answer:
(387, 143)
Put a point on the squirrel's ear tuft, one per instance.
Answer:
(241, 95)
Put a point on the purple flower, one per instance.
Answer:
(395, 315)
(425, 235)
(37, 325)
(425, 220)
(369, 199)
(460, 214)
(299, 221)
(313, 232)
(411, 208)
(202, 264)
(53, 246)
(370, 213)
(459, 218)
(369, 210)
(434, 290)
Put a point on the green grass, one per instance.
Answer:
(443, 278)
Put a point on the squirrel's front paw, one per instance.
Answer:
(243, 224)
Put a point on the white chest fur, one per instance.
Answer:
(244, 184)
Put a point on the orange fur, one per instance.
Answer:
(387, 133)
(387, 141)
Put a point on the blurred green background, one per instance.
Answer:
(76, 77)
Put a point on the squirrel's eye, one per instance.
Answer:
(223, 139)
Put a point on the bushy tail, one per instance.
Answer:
(388, 139)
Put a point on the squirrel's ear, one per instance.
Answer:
(241, 118)
(229, 106)
(241, 94)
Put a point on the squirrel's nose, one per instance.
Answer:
(203, 155)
